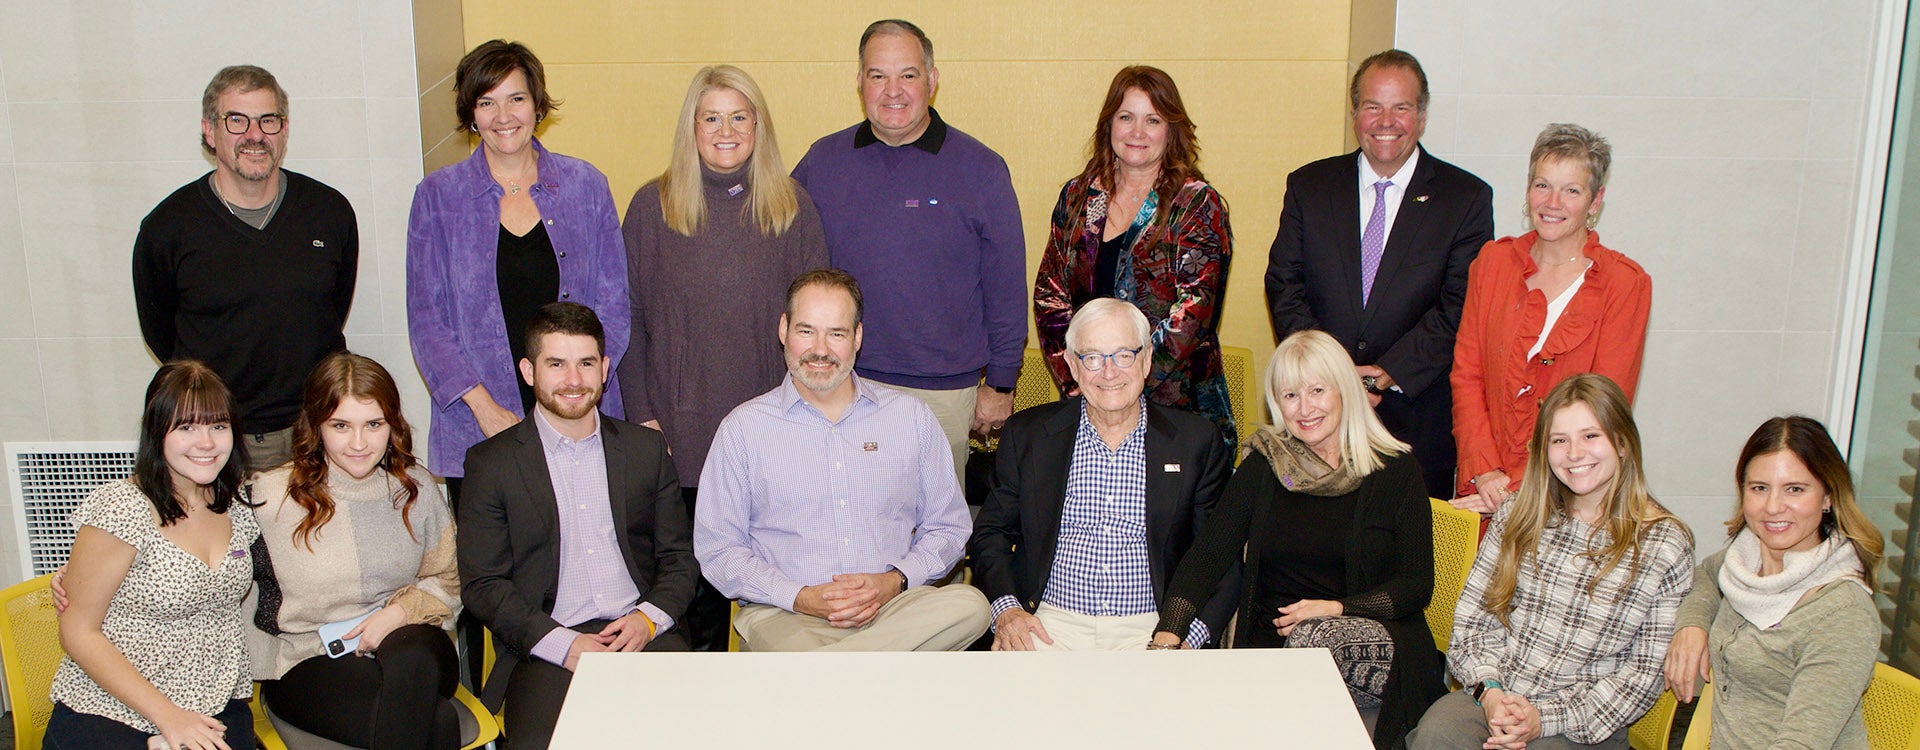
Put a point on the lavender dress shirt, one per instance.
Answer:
(789, 498)
(594, 583)
(453, 296)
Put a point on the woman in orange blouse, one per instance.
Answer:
(1540, 308)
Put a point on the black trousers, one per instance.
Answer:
(468, 629)
(709, 615)
(536, 690)
(402, 698)
(1426, 423)
(71, 730)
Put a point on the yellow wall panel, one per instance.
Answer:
(623, 31)
(1264, 82)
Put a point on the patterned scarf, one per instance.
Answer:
(1766, 600)
(1123, 280)
(1300, 469)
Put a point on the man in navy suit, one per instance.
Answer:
(1096, 499)
(1374, 247)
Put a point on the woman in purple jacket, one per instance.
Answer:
(493, 238)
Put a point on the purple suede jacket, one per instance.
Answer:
(453, 295)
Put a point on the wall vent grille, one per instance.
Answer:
(48, 481)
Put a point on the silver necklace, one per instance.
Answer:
(215, 183)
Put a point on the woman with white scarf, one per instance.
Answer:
(1782, 620)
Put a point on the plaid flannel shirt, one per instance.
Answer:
(1591, 664)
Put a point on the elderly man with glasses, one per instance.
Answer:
(1095, 500)
(249, 268)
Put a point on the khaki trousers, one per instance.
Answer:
(268, 449)
(1072, 631)
(1455, 722)
(954, 410)
(922, 618)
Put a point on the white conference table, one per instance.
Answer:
(963, 701)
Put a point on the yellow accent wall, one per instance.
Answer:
(1264, 81)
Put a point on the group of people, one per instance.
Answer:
(625, 449)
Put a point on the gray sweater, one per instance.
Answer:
(706, 312)
(1795, 685)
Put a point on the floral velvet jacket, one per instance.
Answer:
(1179, 263)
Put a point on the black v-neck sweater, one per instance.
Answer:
(259, 306)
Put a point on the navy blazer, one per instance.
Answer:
(509, 529)
(1408, 325)
(1018, 530)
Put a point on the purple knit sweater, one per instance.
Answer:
(931, 229)
(705, 312)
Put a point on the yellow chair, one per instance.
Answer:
(486, 727)
(30, 653)
(1701, 729)
(1891, 709)
(1036, 382)
(1653, 728)
(1238, 361)
(1456, 537)
(733, 636)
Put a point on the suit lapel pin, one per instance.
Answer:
(1421, 198)
(1171, 468)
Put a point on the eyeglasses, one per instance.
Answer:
(741, 122)
(1123, 359)
(270, 123)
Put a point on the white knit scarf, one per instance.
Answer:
(1766, 600)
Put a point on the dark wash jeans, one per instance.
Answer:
(71, 730)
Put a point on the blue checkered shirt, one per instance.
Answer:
(1100, 563)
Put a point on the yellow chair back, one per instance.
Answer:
(1653, 728)
(1036, 382)
(1239, 366)
(1456, 537)
(1891, 709)
(1701, 730)
(30, 653)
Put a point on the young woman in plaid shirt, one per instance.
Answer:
(1561, 631)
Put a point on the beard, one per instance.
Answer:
(246, 170)
(819, 382)
(565, 409)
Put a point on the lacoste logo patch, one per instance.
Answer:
(870, 447)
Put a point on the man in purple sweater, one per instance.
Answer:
(924, 216)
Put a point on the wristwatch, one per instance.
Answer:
(1481, 689)
(1372, 384)
(903, 578)
(1000, 390)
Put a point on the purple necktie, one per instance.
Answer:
(1373, 241)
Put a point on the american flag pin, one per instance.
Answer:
(1421, 198)
(870, 447)
(735, 190)
(1171, 468)
(911, 203)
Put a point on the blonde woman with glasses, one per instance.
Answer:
(711, 245)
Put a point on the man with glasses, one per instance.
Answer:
(251, 268)
(1095, 500)
(926, 218)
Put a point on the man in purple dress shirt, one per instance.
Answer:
(573, 536)
(829, 505)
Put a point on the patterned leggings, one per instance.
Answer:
(1362, 651)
